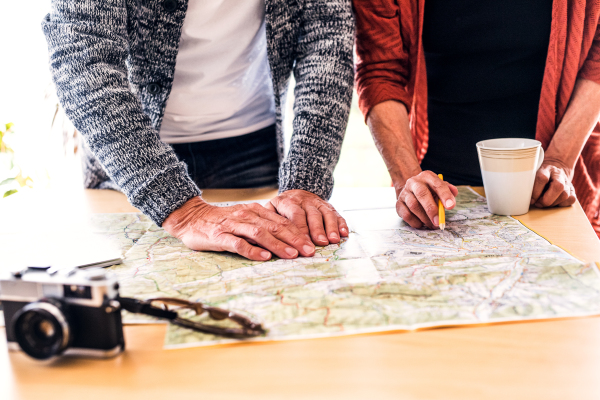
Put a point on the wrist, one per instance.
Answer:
(559, 162)
(562, 158)
(402, 174)
(181, 217)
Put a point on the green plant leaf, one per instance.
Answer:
(7, 180)
(9, 192)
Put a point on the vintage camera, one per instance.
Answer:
(49, 312)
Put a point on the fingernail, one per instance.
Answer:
(343, 230)
(449, 203)
(323, 238)
(308, 249)
(334, 236)
(436, 220)
(265, 254)
(291, 252)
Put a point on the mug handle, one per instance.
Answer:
(541, 158)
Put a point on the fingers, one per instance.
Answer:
(407, 215)
(298, 217)
(344, 230)
(571, 199)
(240, 246)
(331, 218)
(293, 212)
(288, 233)
(315, 226)
(416, 208)
(270, 207)
(273, 232)
(335, 225)
(567, 197)
(312, 215)
(541, 180)
(273, 216)
(453, 189)
(325, 224)
(441, 190)
(564, 195)
(554, 189)
(264, 239)
(426, 201)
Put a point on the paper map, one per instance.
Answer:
(386, 276)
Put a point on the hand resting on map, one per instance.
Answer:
(249, 230)
(256, 232)
(313, 215)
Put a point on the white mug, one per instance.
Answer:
(508, 168)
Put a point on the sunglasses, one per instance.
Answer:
(160, 307)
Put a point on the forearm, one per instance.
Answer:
(88, 46)
(323, 93)
(389, 125)
(580, 119)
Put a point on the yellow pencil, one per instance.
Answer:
(441, 210)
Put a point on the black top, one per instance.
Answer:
(485, 64)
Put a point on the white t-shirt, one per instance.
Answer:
(222, 85)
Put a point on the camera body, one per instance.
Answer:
(72, 312)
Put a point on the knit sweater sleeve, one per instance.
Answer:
(88, 46)
(324, 81)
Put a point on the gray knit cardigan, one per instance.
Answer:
(113, 63)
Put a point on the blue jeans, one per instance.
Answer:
(247, 161)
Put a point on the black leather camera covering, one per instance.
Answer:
(91, 327)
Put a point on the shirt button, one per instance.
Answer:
(153, 88)
(170, 5)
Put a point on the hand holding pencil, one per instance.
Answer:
(417, 200)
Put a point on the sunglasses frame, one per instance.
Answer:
(247, 328)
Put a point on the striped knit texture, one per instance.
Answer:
(113, 63)
(391, 66)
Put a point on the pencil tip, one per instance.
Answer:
(442, 226)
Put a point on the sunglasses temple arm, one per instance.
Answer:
(227, 332)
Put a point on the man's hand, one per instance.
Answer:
(246, 229)
(311, 214)
(552, 186)
(417, 191)
(417, 199)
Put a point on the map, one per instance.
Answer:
(386, 276)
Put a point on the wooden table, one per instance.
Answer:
(557, 359)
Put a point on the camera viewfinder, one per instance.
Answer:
(77, 291)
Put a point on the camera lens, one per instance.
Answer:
(42, 329)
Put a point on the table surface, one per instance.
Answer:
(558, 359)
